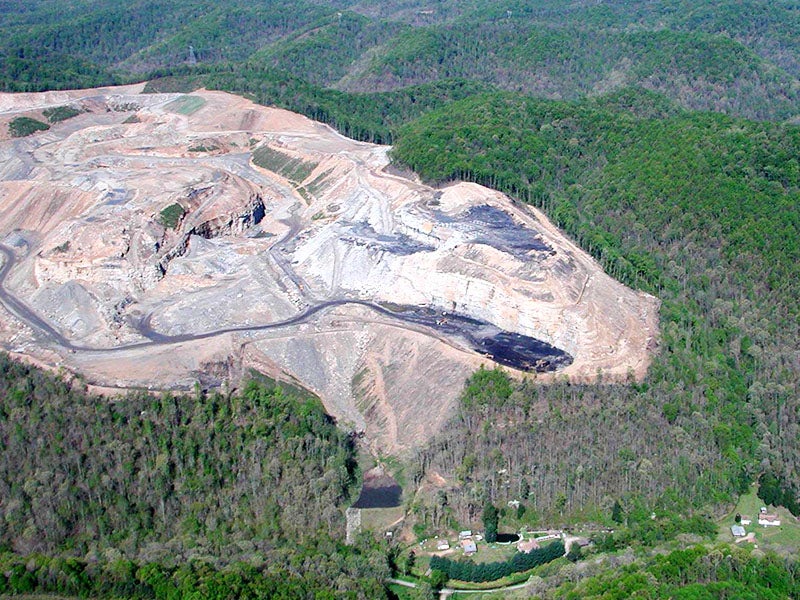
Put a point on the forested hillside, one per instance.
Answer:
(662, 136)
(229, 476)
(741, 59)
(699, 209)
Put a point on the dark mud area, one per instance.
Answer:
(365, 235)
(493, 227)
(379, 490)
(504, 347)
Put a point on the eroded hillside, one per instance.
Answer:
(158, 240)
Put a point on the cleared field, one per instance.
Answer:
(186, 105)
(784, 539)
(378, 519)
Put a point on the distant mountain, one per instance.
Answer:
(739, 58)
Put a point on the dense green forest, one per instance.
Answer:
(696, 573)
(225, 475)
(662, 136)
(739, 58)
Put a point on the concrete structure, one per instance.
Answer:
(738, 531)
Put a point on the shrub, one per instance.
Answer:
(172, 215)
(24, 126)
(61, 113)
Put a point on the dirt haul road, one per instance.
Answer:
(161, 240)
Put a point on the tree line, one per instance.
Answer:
(481, 572)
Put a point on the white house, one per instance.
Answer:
(768, 520)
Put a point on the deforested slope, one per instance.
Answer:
(156, 240)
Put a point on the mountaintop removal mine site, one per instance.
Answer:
(163, 240)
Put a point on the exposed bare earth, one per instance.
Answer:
(96, 283)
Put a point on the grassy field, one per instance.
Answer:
(380, 519)
(293, 169)
(784, 539)
(186, 105)
(402, 592)
(494, 552)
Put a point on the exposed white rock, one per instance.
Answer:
(271, 215)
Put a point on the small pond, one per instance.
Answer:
(379, 490)
(507, 538)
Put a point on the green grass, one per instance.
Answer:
(493, 552)
(171, 215)
(402, 592)
(293, 169)
(380, 519)
(24, 126)
(61, 113)
(784, 539)
(186, 105)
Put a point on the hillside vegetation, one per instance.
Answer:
(699, 209)
(588, 110)
(228, 476)
(739, 58)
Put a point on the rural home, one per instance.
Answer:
(768, 520)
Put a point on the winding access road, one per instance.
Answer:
(25, 314)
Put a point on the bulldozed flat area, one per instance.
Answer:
(159, 240)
